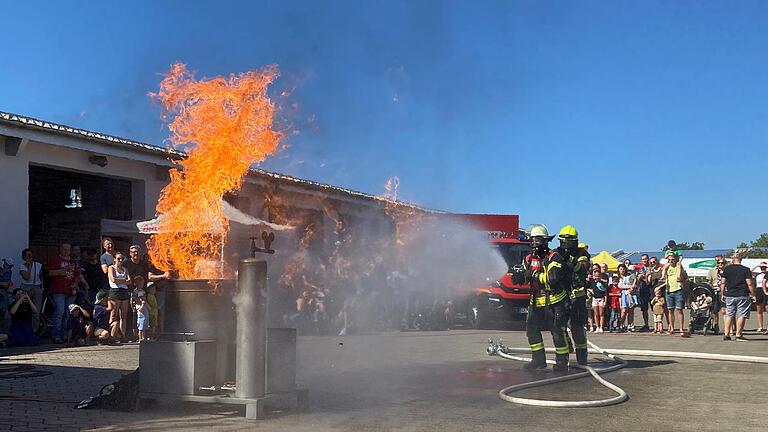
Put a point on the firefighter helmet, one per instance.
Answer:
(568, 232)
(539, 236)
(569, 237)
(539, 230)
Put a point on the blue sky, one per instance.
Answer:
(636, 122)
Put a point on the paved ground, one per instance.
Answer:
(414, 382)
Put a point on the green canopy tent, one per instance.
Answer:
(704, 264)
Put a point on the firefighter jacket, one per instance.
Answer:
(546, 272)
(578, 270)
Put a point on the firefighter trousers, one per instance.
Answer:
(578, 319)
(554, 317)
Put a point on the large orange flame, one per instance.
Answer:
(226, 125)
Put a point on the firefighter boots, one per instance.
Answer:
(561, 363)
(539, 361)
(581, 356)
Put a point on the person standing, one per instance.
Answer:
(545, 270)
(577, 269)
(765, 293)
(160, 279)
(655, 276)
(673, 276)
(142, 314)
(64, 275)
(107, 258)
(31, 273)
(138, 270)
(136, 264)
(759, 272)
(738, 293)
(714, 275)
(627, 283)
(119, 295)
(599, 290)
(658, 311)
(614, 306)
(92, 272)
(644, 289)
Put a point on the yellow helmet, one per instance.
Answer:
(568, 233)
(583, 246)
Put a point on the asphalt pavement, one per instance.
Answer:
(416, 381)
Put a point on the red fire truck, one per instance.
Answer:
(500, 302)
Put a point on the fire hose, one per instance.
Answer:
(498, 348)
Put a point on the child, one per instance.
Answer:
(153, 314)
(597, 287)
(138, 284)
(614, 300)
(703, 301)
(103, 329)
(6, 272)
(142, 314)
(657, 303)
(627, 283)
(79, 328)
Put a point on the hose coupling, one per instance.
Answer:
(494, 347)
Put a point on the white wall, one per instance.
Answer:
(14, 180)
(14, 218)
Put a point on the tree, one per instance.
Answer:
(692, 246)
(757, 248)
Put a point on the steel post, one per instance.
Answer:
(250, 304)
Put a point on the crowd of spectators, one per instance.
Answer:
(665, 290)
(81, 297)
(86, 295)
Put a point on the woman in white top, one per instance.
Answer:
(31, 273)
(119, 295)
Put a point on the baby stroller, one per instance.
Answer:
(705, 306)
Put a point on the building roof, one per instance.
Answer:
(634, 257)
(51, 127)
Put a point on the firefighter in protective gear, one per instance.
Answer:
(545, 270)
(577, 259)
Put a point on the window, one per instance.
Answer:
(75, 199)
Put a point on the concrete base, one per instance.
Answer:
(254, 407)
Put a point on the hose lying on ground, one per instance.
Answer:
(498, 348)
(502, 351)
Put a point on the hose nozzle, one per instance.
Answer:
(494, 347)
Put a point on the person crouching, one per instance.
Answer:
(102, 328)
(79, 329)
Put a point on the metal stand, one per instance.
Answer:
(265, 367)
(254, 407)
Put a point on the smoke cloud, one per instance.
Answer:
(373, 279)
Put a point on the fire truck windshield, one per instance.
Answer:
(513, 253)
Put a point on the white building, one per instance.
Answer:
(59, 182)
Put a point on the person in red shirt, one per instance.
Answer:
(614, 303)
(64, 273)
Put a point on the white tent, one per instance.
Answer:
(700, 267)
